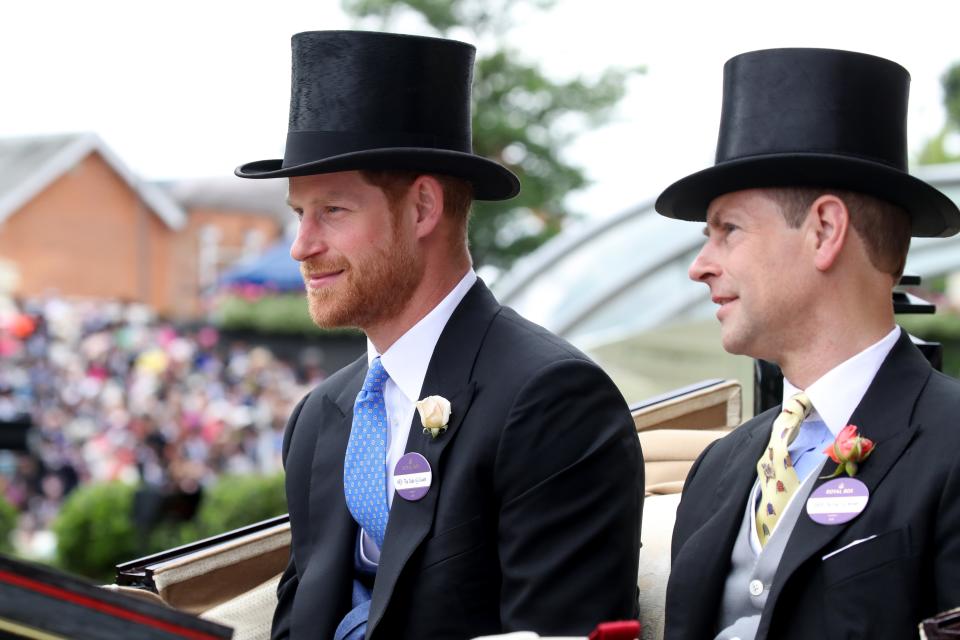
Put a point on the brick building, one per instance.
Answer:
(75, 221)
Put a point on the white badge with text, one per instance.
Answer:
(412, 477)
(838, 501)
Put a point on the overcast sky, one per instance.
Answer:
(194, 88)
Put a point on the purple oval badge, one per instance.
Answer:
(412, 476)
(838, 501)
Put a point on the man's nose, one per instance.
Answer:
(703, 266)
(308, 242)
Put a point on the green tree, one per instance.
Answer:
(937, 149)
(522, 118)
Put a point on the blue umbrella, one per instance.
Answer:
(273, 269)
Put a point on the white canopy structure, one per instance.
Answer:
(627, 274)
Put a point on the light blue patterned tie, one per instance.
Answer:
(364, 468)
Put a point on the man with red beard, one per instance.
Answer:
(510, 499)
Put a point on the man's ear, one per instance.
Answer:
(426, 195)
(829, 225)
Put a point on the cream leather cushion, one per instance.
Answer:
(659, 512)
(250, 614)
(668, 455)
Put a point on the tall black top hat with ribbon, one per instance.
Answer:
(365, 100)
(817, 118)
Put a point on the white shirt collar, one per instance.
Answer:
(407, 359)
(836, 394)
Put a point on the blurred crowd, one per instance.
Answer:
(114, 394)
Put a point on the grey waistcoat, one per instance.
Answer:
(747, 586)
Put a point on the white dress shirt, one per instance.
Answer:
(406, 362)
(835, 396)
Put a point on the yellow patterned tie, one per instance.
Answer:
(778, 479)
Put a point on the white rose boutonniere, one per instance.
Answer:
(434, 414)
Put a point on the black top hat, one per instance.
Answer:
(364, 100)
(818, 118)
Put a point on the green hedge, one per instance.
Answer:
(95, 529)
(236, 501)
(939, 327)
(8, 522)
(272, 313)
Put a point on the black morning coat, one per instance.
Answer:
(532, 521)
(880, 588)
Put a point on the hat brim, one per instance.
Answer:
(932, 213)
(490, 180)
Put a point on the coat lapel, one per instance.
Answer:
(889, 424)
(326, 475)
(327, 533)
(449, 374)
(707, 551)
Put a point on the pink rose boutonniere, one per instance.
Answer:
(848, 451)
